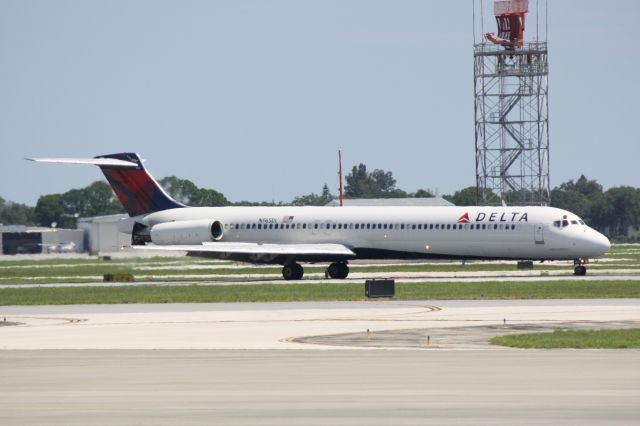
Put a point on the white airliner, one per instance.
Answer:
(60, 247)
(289, 235)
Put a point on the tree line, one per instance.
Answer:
(612, 211)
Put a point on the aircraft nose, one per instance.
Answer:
(601, 243)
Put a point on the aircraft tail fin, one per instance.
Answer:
(134, 186)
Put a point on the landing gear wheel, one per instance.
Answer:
(292, 271)
(580, 270)
(338, 270)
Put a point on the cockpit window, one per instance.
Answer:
(581, 222)
(574, 222)
(562, 223)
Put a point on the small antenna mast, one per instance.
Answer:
(537, 22)
(340, 176)
(474, 22)
(481, 20)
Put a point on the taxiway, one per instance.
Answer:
(313, 363)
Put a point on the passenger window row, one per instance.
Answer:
(369, 226)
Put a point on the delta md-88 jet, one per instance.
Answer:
(289, 235)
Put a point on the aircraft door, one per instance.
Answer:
(538, 233)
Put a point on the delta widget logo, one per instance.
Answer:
(464, 218)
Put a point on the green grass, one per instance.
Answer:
(314, 292)
(36, 275)
(86, 272)
(78, 270)
(8, 261)
(579, 339)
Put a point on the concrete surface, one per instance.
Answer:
(232, 364)
(319, 387)
(282, 325)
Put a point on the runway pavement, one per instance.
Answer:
(283, 325)
(231, 387)
(313, 363)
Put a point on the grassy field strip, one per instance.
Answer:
(239, 270)
(418, 266)
(622, 260)
(44, 261)
(577, 339)
(141, 266)
(57, 278)
(486, 266)
(310, 269)
(92, 278)
(614, 266)
(44, 264)
(276, 273)
(244, 266)
(277, 277)
(314, 292)
(240, 266)
(7, 260)
(217, 263)
(613, 259)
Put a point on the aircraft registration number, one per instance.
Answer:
(267, 220)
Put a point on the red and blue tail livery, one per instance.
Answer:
(136, 189)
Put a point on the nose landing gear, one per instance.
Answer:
(579, 268)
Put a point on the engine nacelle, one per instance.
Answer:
(187, 232)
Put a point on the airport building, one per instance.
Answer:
(19, 239)
(101, 233)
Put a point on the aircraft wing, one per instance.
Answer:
(256, 252)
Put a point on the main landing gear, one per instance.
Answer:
(292, 271)
(338, 270)
(579, 268)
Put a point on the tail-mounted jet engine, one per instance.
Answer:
(187, 232)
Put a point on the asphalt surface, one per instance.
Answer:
(300, 325)
(313, 363)
(319, 387)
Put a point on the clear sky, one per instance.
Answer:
(254, 98)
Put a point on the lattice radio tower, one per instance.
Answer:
(511, 108)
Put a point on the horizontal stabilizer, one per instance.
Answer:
(109, 162)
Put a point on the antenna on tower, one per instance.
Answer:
(340, 176)
(511, 110)
(510, 16)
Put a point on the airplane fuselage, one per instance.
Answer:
(288, 235)
(394, 232)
